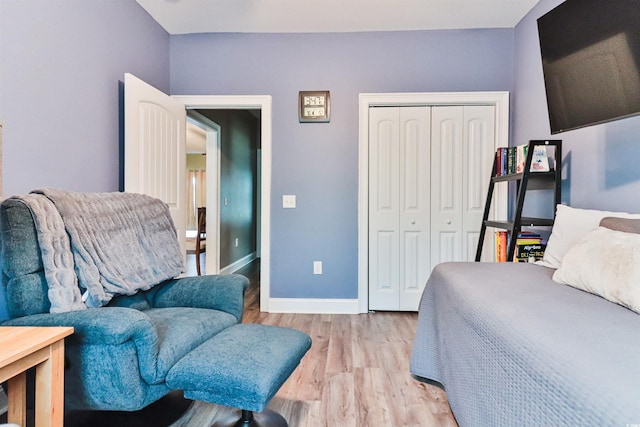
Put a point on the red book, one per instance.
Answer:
(501, 246)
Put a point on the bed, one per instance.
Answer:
(510, 346)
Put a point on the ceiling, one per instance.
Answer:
(319, 16)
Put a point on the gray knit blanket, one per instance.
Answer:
(95, 246)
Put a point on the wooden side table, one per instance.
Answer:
(21, 348)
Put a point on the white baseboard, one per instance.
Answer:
(238, 264)
(311, 305)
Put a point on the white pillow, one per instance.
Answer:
(570, 226)
(606, 263)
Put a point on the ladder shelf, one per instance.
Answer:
(525, 181)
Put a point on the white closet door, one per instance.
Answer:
(428, 174)
(463, 141)
(446, 184)
(477, 158)
(399, 223)
(384, 201)
(415, 218)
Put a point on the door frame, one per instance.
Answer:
(244, 102)
(500, 100)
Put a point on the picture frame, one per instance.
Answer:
(314, 106)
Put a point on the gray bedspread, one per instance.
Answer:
(513, 348)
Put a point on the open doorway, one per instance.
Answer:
(223, 177)
(202, 151)
(261, 103)
(140, 161)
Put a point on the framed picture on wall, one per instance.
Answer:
(314, 106)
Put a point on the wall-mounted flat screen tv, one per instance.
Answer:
(591, 62)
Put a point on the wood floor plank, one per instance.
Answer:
(338, 401)
(313, 366)
(372, 406)
(340, 351)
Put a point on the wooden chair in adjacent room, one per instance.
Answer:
(201, 237)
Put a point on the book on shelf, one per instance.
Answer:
(505, 159)
(529, 247)
(502, 161)
(501, 246)
(521, 157)
(510, 160)
(529, 252)
(540, 161)
(528, 237)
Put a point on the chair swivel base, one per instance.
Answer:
(266, 418)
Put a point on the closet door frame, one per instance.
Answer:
(500, 100)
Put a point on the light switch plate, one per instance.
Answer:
(317, 267)
(289, 201)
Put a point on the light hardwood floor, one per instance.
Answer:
(355, 374)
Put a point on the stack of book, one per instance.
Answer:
(529, 247)
(511, 160)
(502, 161)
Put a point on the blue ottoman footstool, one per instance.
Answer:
(243, 366)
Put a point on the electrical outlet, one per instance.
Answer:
(237, 242)
(317, 267)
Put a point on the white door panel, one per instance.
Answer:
(154, 152)
(398, 206)
(384, 200)
(415, 221)
(446, 176)
(478, 154)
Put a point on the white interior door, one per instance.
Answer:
(398, 206)
(154, 148)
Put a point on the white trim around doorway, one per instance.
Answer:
(366, 100)
(243, 102)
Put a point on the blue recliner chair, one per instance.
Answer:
(119, 354)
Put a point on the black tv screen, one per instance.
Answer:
(591, 62)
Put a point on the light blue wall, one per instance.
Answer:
(319, 162)
(60, 64)
(600, 167)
